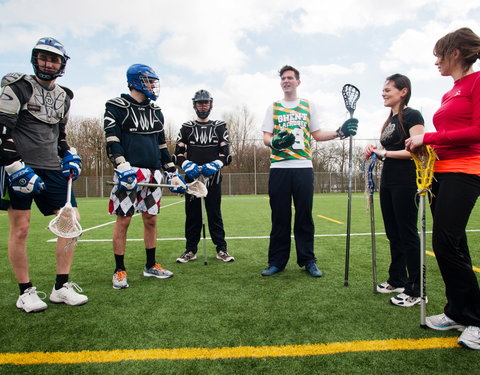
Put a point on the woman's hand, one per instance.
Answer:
(414, 142)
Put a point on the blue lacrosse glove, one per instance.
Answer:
(71, 162)
(191, 169)
(23, 180)
(348, 128)
(175, 179)
(282, 140)
(209, 169)
(127, 178)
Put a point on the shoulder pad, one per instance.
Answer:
(154, 106)
(189, 124)
(119, 102)
(10, 78)
(219, 123)
(68, 91)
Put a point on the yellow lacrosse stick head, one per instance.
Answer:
(424, 160)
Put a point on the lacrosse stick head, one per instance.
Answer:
(371, 166)
(66, 224)
(350, 96)
(197, 188)
(424, 160)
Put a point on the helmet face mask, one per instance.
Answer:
(202, 96)
(47, 48)
(144, 79)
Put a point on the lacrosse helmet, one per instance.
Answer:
(202, 96)
(144, 79)
(49, 45)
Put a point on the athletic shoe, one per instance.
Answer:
(223, 255)
(157, 271)
(119, 280)
(386, 288)
(313, 270)
(29, 301)
(404, 300)
(442, 322)
(271, 270)
(68, 295)
(470, 338)
(186, 257)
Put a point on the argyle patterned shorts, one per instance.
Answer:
(143, 199)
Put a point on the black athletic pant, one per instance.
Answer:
(193, 222)
(283, 185)
(455, 195)
(400, 217)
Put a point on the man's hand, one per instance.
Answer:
(176, 180)
(191, 169)
(127, 178)
(209, 169)
(71, 162)
(282, 140)
(23, 179)
(348, 128)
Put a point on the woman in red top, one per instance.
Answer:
(457, 182)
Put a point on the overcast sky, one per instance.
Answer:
(234, 49)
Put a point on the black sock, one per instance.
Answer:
(60, 280)
(24, 287)
(119, 263)
(150, 257)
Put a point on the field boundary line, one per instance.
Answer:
(102, 356)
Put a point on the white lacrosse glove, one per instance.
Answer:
(175, 179)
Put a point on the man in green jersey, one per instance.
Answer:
(288, 128)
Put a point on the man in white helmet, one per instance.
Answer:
(37, 163)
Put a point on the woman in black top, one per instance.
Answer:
(398, 192)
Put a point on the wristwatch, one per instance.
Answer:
(383, 155)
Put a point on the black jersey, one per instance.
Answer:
(134, 131)
(204, 141)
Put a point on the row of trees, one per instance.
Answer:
(249, 153)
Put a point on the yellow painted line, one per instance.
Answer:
(85, 356)
(476, 269)
(330, 219)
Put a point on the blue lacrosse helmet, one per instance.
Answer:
(53, 46)
(144, 79)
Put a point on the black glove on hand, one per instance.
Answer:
(282, 140)
(348, 128)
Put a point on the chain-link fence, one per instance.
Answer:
(234, 184)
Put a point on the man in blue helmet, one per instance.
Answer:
(38, 162)
(134, 131)
(202, 149)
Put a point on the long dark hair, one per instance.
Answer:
(400, 82)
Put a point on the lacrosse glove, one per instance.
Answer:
(23, 179)
(209, 169)
(348, 128)
(71, 162)
(175, 179)
(191, 169)
(282, 140)
(127, 178)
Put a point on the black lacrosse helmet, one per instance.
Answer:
(202, 96)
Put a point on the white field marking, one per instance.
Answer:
(113, 222)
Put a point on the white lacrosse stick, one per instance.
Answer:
(195, 188)
(66, 224)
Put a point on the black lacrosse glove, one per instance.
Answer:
(282, 140)
(348, 128)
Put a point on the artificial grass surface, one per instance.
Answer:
(225, 304)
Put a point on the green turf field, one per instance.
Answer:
(224, 318)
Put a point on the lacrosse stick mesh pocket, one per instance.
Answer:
(65, 224)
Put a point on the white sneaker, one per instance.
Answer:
(186, 257)
(119, 280)
(68, 295)
(470, 338)
(386, 288)
(404, 300)
(441, 322)
(226, 257)
(29, 301)
(157, 271)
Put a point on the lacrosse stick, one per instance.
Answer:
(350, 96)
(424, 162)
(66, 224)
(370, 189)
(195, 188)
(201, 180)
